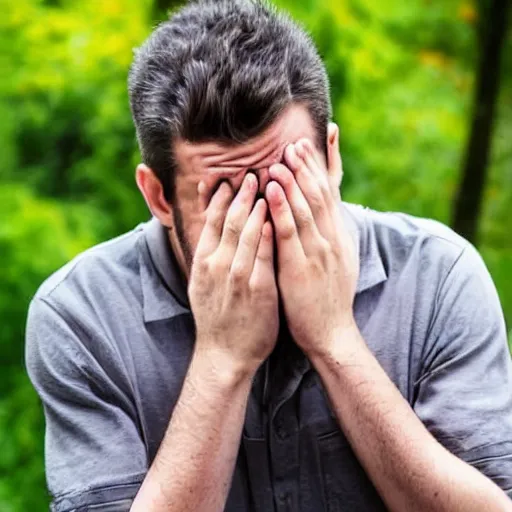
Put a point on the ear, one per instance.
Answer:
(153, 192)
(334, 163)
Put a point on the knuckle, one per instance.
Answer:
(337, 252)
(238, 273)
(304, 219)
(231, 227)
(323, 185)
(324, 252)
(324, 247)
(200, 267)
(317, 268)
(263, 289)
(287, 231)
(316, 201)
(215, 220)
(203, 266)
(218, 266)
(264, 258)
(231, 230)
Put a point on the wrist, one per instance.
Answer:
(219, 368)
(343, 344)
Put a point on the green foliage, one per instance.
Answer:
(70, 134)
(39, 236)
(22, 481)
(402, 81)
(402, 76)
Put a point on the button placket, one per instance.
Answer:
(284, 449)
(283, 429)
(285, 501)
(258, 467)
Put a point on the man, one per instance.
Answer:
(260, 345)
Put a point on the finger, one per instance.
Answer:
(215, 215)
(202, 196)
(289, 247)
(245, 254)
(237, 215)
(307, 152)
(311, 190)
(301, 211)
(317, 163)
(263, 271)
(334, 162)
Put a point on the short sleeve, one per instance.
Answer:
(464, 395)
(94, 454)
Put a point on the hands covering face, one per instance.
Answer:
(317, 263)
(233, 288)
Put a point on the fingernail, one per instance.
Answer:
(224, 187)
(291, 150)
(275, 191)
(249, 180)
(298, 150)
(261, 203)
(273, 169)
(303, 147)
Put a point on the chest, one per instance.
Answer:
(292, 454)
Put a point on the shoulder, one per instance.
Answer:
(75, 311)
(420, 244)
(109, 269)
(408, 230)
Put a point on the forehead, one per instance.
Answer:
(216, 159)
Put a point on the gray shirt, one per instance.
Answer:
(110, 337)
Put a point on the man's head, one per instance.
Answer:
(216, 91)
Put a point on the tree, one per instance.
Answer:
(468, 201)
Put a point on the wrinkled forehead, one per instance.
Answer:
(210, 160)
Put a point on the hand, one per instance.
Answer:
(232, 290)
(317, 262)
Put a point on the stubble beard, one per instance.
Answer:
(185, 245)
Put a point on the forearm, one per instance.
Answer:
(195, 462)
(410, 469)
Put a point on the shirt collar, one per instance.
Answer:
(371, 267)
(165, 291)
(163, 287)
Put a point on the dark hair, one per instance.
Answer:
(222, 70)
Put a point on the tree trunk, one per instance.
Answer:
(468, 202)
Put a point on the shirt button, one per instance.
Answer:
(283, 497)
(281, 432)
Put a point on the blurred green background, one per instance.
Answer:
(403, 77)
